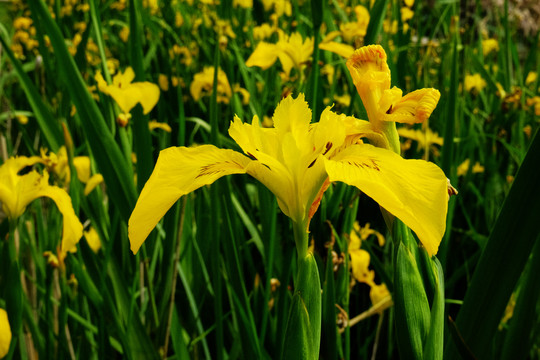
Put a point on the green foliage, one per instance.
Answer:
(219, 277)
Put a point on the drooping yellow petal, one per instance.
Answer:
(415, 107)
(5, 333)
(154, 124)
(344, 50)
(72, 227)
(360, 266)
(92, 183)
(264, 56)
(415, 191)
(179, 171)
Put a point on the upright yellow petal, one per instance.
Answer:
(92, 183)
(147, 94)
(179, 171)
(82, 165)
(369, 69)
(415, 191)
(264, 56)
(5, 333)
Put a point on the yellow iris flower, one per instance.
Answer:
(384, 105)
(17, 191)
(5, 333)
(295, 159)
(127, 94)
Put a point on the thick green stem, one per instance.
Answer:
(301, 238)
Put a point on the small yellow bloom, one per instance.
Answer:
(22, 119)
(294, 160)
(203, 83)
(531, 77)
(489, 45)
(17, 191)
(263, 31)
(163, 82)
(128, 94)
(5, 333)
(406, 14)
(292, 51)
(534, 102)
(380, 297)
(154, 124)
(93, 240)
(474, 83)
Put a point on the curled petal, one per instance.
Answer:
(414, 107)
(415, 191)
(72, 227)
(368, 67)
(179, 171)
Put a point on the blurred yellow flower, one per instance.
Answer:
(246, 4)
(17, 191)
(154, 124)
(93, 240)
(294, 160)
(474, 82)
(531, 77)
(58, 164)
(163, 82)
(406, 14)
(292, 51)
(203, 83)
(263, 31)
(534, 102)
(5, 333)
(463, 168)
(22, 119)
(128, 94)
(352, 33)
(489, 45)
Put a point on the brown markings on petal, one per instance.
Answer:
(312, 163)
(328, 147)
(212, 169)
(389, 111)
(251, 156)
(371, 164)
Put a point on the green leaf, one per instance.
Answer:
(377, 14)
(412, 313)
(329, 328)
(502, 261)
(303, 334)
(44, 117)
(434, 346)
(518, 341)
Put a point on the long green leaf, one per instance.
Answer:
(45, 119)
(502, 261)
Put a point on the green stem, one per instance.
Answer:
(300, 238)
